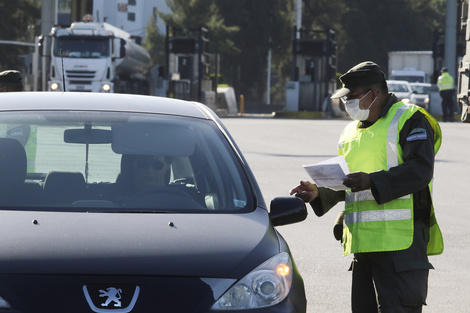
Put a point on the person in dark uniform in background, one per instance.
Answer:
(389, 221)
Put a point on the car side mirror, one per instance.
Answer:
(287, 210)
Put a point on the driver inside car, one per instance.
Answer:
(138, 174)
(149, 171)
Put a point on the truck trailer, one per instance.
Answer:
(97, 57)
(412, 66)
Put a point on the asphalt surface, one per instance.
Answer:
(277, 148)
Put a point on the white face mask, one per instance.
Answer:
(354, 111)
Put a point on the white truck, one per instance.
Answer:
(412, 66)
(97, 57)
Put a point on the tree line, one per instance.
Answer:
(243, 31)
(19, 22)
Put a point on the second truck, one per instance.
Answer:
(97, 57)
(412, 66)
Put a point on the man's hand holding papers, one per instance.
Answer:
(331, 173)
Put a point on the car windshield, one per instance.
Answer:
(118, 162)
(82, 47)
(393, 87)
(421, 89)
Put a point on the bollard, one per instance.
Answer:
(242, 104)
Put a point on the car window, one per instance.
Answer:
(398, 88)
(97, 161)
(421, 89)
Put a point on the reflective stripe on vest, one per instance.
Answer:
(377, 216)
(365, 195)
(392, 138)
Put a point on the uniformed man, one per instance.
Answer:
(10, 81)
(389, 221)
(446, 86)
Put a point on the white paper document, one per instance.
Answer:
(330, 173)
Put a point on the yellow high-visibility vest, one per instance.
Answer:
(445, 82)
(372, 227)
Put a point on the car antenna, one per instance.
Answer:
(63, 72)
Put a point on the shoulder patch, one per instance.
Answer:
(417, 134)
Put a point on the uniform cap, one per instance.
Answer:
(11, 77)
(364, 74)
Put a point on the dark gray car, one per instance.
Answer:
(124, 203)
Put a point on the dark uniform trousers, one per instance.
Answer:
(392, 282)
(447, 104)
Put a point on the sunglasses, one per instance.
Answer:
(143, 164)
(356, 96)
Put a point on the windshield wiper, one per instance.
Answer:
(138, 211)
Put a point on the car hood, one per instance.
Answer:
(198, 245)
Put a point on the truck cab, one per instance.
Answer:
(85, 51)
(97, 57)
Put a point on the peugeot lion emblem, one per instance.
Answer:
(104, 299)
(113, 294)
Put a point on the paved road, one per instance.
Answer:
(276, 149)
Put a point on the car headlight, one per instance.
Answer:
(426, 100)
(266, 285)
(105, 87)
(55, 86)
(405, 100)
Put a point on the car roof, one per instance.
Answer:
(421, 84)
(398, 82)
(77, 101)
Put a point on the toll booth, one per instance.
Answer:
(189, 65)
(313, 73)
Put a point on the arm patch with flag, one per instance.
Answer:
(417, 134)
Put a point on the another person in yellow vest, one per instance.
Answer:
(11, 80)
(389, 221)
(446, 86)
